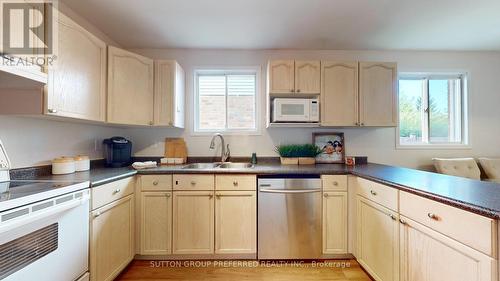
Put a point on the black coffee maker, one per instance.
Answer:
(117, 152)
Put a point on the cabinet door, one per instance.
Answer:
(377, 94)
(156, 223)
(77, 80)
(334, 222)
(339, 93)
(281, 76)
(193, 222)
(377, 240)
(130, 88)
(235, 222)
(427, 255)
(112, 239)
(169, 94)
(307, 77)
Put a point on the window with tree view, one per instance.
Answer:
(226, 101)
(431, 110)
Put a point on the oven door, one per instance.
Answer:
(291, 110)
(47, 240)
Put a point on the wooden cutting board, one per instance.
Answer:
(175, 148)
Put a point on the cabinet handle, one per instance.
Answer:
(362, 124)
(335, 183)
(167, 195)
(218, 195)
(97, 214)
(151, 123)
(357, 123)
(155, 182)
(210, 196)
(402, 221)
(116, 191)
(433, 216)
(298, 91)
(373, 193)
(325, 195)
(392, 217)
(52, 110)
(235, 183)
(292, 90)
(193, 183)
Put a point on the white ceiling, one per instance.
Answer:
(297, 24)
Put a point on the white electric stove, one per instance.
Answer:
(44, 229)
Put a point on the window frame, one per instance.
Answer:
(464, 95)
(217, 70)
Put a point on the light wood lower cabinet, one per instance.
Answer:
(427, 255)
(377, 240)
(112, 238)
(235, 222)
(193, 222)
(334, 222)
(156, 223)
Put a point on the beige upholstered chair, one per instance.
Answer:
(460, 167)
(491, 167)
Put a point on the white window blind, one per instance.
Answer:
(226, 101)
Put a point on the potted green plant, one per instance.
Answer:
(293, 154)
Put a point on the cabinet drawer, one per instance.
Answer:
(156, 182)
(235, 182)
(194, 182)
(107, 193)
(334, 182)
(476, 231)
(379, 193)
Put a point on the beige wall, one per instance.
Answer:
(34, 141)
(377, 143)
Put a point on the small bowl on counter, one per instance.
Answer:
(63, 166)
(82, 163)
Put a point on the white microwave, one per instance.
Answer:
(295, 110)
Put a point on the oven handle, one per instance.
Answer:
(290, 191)
(24, 220)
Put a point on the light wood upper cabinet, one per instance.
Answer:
(193, 222)
(235, 222)
(156, 223)
(169, 94)
(378, 94)
(77, 80)
(334, 222)
(112, 239)
(130, 88)
(377, 240)
(427, 255)
(339, 93)
(307, 77)
(281, 75)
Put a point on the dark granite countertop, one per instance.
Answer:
(479, 197)
(96, 176)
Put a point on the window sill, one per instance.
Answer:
(433, 147)
(226, 133)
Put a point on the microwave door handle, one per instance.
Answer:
(40, 215)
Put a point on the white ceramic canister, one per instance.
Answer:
(63, 165)
(82, 163)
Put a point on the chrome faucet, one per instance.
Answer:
(225, 152)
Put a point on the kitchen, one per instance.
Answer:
(163, 84)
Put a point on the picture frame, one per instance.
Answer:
(333, 146)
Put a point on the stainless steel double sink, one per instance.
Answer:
(225, 165)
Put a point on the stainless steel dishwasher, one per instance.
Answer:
(289, 218)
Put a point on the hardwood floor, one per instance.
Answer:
(348, 270)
